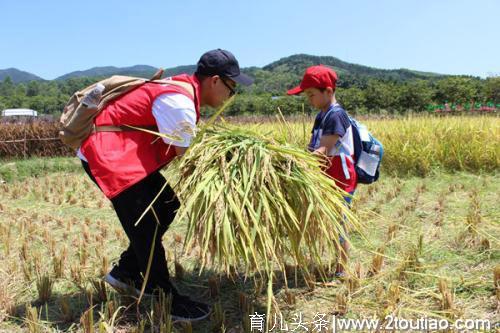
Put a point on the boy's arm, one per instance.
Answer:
(327, 145)
(179, 151)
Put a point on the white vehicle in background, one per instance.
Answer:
(18, 115)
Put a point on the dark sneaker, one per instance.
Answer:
(340, 275)
(124, 284)
(186, 309)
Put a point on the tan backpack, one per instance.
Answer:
(77, 120)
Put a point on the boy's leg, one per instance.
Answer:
(343, 249)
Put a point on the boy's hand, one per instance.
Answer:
(320, 153)
(179, 151)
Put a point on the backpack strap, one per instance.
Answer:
(156, 78)
(184, 85)
(123, 84)
(333, 108)
(157, 75)
(123, 128)
(343, 156)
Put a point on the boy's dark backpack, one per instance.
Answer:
(368, 152)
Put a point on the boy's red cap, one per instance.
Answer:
(316, 77)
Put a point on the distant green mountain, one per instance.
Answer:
(292, 68)
(188, 69)
(18, 76)
(285, 73)
(138, 70)
(274, 78)
(299, 62)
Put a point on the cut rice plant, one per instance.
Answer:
(290, 298)
(186, 327)
(33, 319)
(496, 282)
(179, 271)
(341, 301)
(99, 289)
(7, 298)
(247, 310)
(353, 284)
(87, 320)
(218, 318)
(66, 312)
(214, 287)
(44, 284)
(254, 202)
(58, 266)
(104, 269)
(377, 262)
(393, 296)
(160, 316)
(76, 273)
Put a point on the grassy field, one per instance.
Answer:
(414, 145)
(420, 145)
(430, 247)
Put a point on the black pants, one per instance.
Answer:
(129, 206)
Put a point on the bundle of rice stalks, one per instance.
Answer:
(255, 203)
(249, 199)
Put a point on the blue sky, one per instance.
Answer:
(53, 37)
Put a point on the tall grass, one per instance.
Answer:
(415, 145)
(421, 145)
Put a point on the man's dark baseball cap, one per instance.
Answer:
(222, 63)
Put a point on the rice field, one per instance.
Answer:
(420, 145)
(414, 145)
(430, 246)
(23, 140)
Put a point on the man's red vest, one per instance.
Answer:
(119, 160)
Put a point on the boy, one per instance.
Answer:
(331, 137)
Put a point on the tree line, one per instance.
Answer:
(359, 96)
